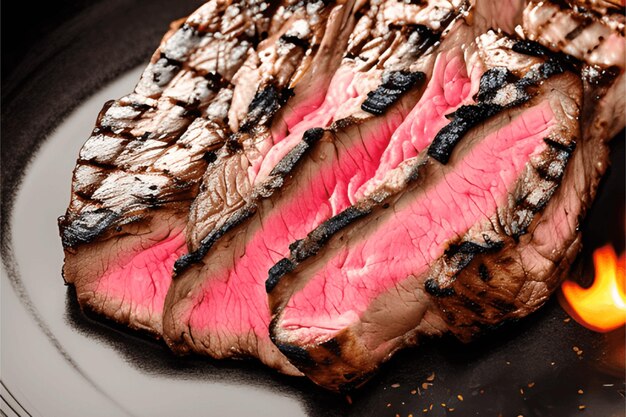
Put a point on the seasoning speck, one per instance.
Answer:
(460, 397)
(349, 399)
(431, 377)
(413, 392)
(582, 407)
(580, 392)
(530, 385)
(567, 320)
(396, 385)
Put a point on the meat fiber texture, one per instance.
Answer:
(385, 170)
(141, 168)
(218, 305)
(460, 240)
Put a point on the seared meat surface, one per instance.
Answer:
(319, 184)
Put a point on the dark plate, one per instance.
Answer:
(57, 362)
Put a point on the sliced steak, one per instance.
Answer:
(370, 280)
(227, 185)
(217, 303)
(139, 171)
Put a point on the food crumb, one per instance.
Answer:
(443, 405)
(582, 407)
(530, 385)
(431, 407)
(413, 392)
(450, 409)
(425, 385)
(425, 410)
(388, 405)
(431, 377)
(396, 385)
(552, 363)
(349, 399)
(460, 397)
(567, 320)
(608, 385)
(580, 392)
(482, 391)
(397, 415)
(410, 415)
(508, 363)
(521, 391)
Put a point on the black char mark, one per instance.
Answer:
(318, 237)
(394, 84)
(187, 260)
(263, 106)
(465, 118)
(86, 227)
(289, 161)
(468, 116)
(493, 80)
(305, 248)
(284, 266)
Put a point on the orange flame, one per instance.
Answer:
(601, 307)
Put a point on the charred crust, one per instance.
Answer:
(468, 116)
(300, 357)
(432, 287)
(394, 85)
(289, 161)
(189, 259)
(263, 106)
(465, 118)
(276, 272)
(313, 135)
(531, 48)
(86, 227)
(325, 231)
(493, 80)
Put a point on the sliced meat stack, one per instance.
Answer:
(217, 304)
(139, 172)
(329, 182)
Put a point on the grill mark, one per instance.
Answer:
(582, 25)
(469, 116)
(238, 217)
(86, 227)
(394, 85)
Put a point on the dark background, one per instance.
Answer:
(25, 23)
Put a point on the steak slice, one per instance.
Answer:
(369, 281)
(139, 171)
(227, 184)
(217, 303)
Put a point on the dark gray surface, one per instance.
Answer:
(61, 72)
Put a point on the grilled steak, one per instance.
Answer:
(330, 181)
(140, 170)
(218, 305)
(478, 232)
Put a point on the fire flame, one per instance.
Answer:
(601, 307)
